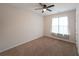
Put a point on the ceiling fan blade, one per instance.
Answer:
(50, 6)
(49, 10)
(41, 4)
(39, 9)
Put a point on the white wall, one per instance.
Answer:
(48, 24)
(18, 26)
(77, 27)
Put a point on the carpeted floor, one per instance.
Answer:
(44, 46)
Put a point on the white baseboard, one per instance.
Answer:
(18, 44)
(31, 40)
(61, 39)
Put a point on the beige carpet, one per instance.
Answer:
(44, 46)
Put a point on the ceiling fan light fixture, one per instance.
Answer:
(44, 9)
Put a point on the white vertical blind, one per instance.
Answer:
(60, 25)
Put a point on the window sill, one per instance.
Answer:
(60, 35)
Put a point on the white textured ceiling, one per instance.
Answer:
(59, 7)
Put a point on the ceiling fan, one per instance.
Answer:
(45, 7)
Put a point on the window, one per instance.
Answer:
(60, 25)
